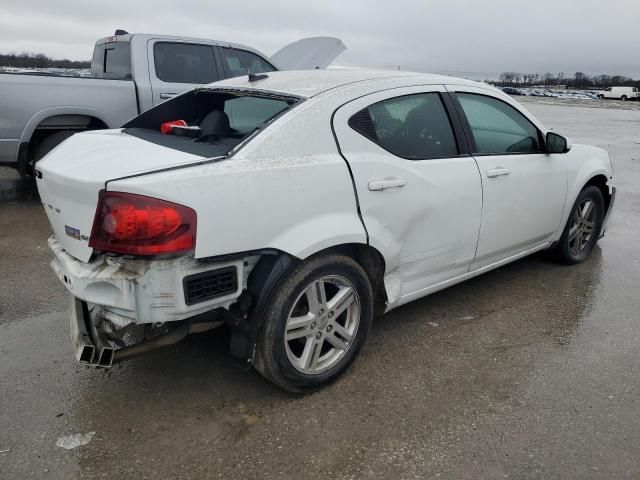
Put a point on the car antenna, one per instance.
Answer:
(254, 77)
(121, 32)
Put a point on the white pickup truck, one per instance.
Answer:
(130, 73)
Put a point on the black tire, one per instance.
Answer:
(49, 143)
(601, 97)
(623, 98)
(565, 251)
(272, 357)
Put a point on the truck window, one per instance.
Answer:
(184, 63)
(241, 62)
(112, 61)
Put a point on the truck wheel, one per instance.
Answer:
(48, 144)
(583, 227)
(601, 97)
(315, 323)
(623, 98)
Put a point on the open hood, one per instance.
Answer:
(308, 53)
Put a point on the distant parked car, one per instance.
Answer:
(294, 205)
(512, 91)
(619, 93)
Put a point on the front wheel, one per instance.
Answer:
(583, 227)
(315, 323)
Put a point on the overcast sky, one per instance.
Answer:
(460, 37)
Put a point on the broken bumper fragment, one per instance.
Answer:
(151, 291)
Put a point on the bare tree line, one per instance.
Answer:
(578, 80)
(39, 60)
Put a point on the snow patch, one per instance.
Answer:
(74, 441)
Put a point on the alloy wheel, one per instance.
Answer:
(322, 324)
(582, 226)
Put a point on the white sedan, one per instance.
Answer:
(293, 206)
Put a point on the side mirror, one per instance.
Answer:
(557, 143)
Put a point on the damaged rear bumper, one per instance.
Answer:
(91, 350)
(88, 348)
(148, 291)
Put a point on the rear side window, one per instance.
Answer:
(184, 63)
(414, 127)
(241, 62)
(497, 127)
(111, 61)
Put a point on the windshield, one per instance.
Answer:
(208, 122)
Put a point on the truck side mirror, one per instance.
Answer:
(557, 143)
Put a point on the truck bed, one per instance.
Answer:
(28, 99)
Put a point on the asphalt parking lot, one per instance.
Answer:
(530, 371)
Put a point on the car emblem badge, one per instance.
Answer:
(72, 232)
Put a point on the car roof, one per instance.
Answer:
(310, 83)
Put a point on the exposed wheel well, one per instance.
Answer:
(600, 181)
(373, 264)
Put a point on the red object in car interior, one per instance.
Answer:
(139, 225)
(167, 127)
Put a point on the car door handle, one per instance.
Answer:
(379, 185)
(165, 96)
(496, 172)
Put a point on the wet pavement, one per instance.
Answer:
(530, 371)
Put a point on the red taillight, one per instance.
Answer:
(167, 127)
(140, 225)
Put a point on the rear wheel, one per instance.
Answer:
(315, 323)
(583, 227)
(601, 97)
(623, 98)
(49, 143)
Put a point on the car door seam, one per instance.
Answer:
(353, 180)
(470, 140)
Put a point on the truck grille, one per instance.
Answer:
(201, 287)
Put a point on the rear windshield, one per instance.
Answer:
(112, 61)
(216, 121)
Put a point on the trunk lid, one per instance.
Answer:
(71, 176)
(308, 53)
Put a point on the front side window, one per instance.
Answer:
(241, 62)
(414, 127)
(184, 63)
(497, 127)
